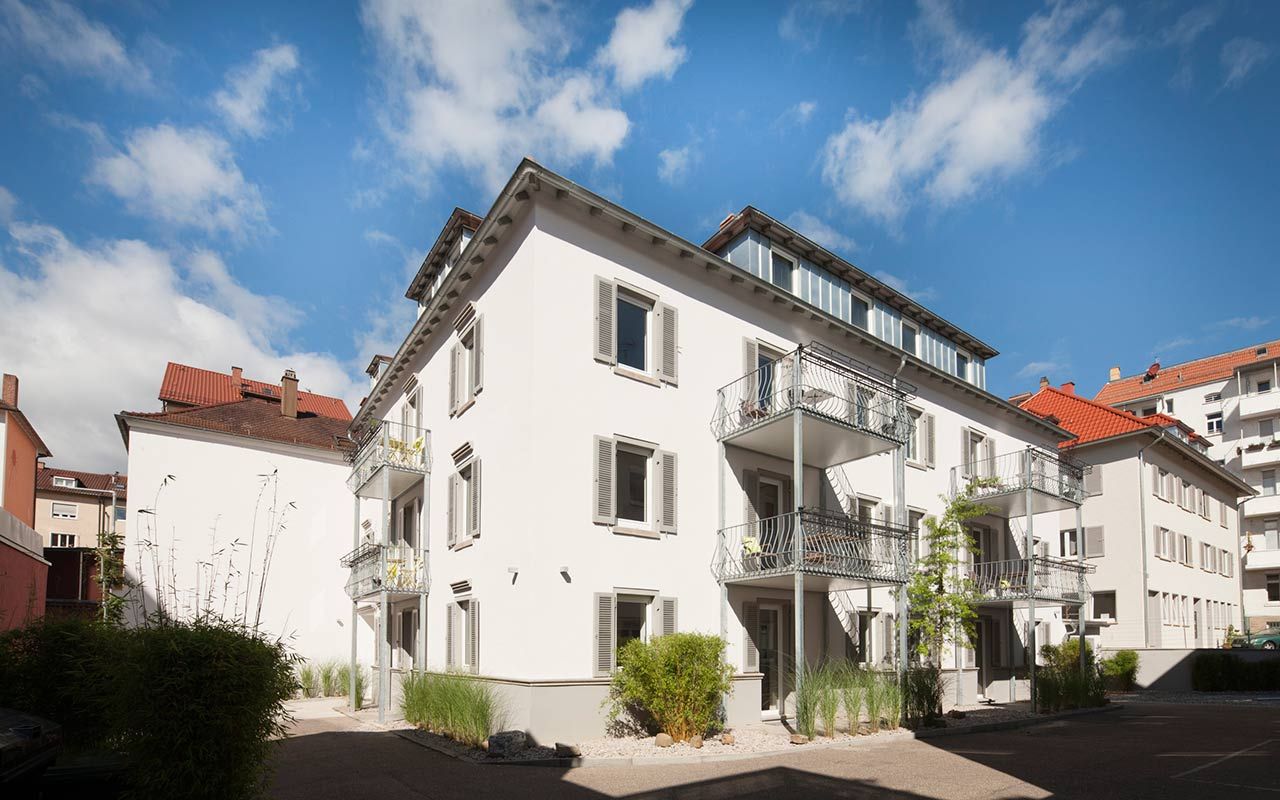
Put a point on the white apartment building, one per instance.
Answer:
(235, 479)
(597, 431)
(1233, 401)
(1162, 526)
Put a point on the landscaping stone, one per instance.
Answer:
(663, 740)
(506, 743)
(695, 742)
(567, 750)
(955, 713)
(799, 738)
(726, 739)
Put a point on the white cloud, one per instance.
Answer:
(643, 46)
(979, 122)
(1033, 369)
(820, 232)
(1243, 323)
(1187, 29)
(1240, 57)
(894, 282)
(797, 116)
(60, 35)
(674, 164)
(88, 330)
(804, 110)
(805, 20)
(186, 177)
(1175, 343)
(243, 102)
(7, 205)
(476, 96)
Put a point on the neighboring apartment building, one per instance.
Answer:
(237, 504)
(23, 570)
(1233, 400)
(539, 448)
(1162, 525)
(74, 510)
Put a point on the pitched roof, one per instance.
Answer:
(1092, 421)
(253, 418)
(1184, 375)
(87, 482)
(42, 449)
(201, 387)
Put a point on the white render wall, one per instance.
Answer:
(208, 506)
(544, 397)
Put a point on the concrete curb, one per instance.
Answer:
(861, 741)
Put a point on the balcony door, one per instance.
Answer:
(773, 640)
(772, 501)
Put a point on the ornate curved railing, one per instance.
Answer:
(390, 444)
(1042, 577)
(405, 570)
(1050, 472)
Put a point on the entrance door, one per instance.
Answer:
(770, 659)
(408, 638)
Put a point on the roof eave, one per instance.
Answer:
(1160, 435)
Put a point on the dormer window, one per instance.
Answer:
(962, 365)
(910, 335)
(65, 483)
(782, 272)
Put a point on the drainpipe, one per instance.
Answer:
(1028, 498)
(1142, 521)
(102, 558)
(900, 518)
(797, 490)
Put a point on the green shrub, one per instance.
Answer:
(361, 686)
(1062, 685)
(852, 687)
(1227, 672)
(893, 697)
(675, 682)
(308, 680)
(873, 692)
(453, 704)
(328, 674)
(922, 695)
(1121, 670)
(344, 679)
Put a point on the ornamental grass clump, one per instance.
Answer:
(922, 695)
(308, 680)
(673, 684)
(457, 705)
(852, 688)
(828, 678)
(874, 694)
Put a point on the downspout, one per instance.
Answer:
(1142, 521)
(900, 514)
(102, 557)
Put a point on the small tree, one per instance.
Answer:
(677, 681)
(942, 595)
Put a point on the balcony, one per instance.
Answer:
(402, 449)
(1260, 453)
(1000, 482)
(1262, 506)
(1260, 404)
(1056, 580)
(838, 551)
(855, 410)
(1260, 558)
(404, 573)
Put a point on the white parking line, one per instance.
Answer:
(1217, 761)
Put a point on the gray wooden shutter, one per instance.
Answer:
(667, 484)
(477, 356)
(928, 440)
(1155, 480)
(1158, 541)
(965, 467)
(1095, 542)
(473, 519)
(455, 387)
(605, 635)
(450, 615)
(750, 492)
(452, 527)
(750, 631)
(664, 616)
(750, 369)
(665, 342)
(988, 468)
(473, 636)
(606, 339)
(603, 455)
(1092, 480)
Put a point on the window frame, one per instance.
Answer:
(968, 366)
(1271, 580)
(55, 542)
(646, 452)
(915, 329)
(776, 253)
(63, 482)
(1093, 604)
(646, 303)
(856, 296)
(53, 510)
(1210, 428)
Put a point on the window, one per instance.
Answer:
(1067, 542)
(920, 447)
(635, 332)
(1213, 422)
(1092, 480)
(1213, 397)
(1226, 563)
(1185, 552)
(1094, 542)
(1262, 386)
(462, 635)
(624, 617)
(910, 335)
(70, 511)
(1104, 605)
(1271, 534)
(634, 485)
(1222, 514)
(411, 413)
(119, 513)
(466, 363)
(782, 271)
(978, 453)
(1273, 587)
(962, 366)
(861, 313)
(66, 483)
(1159, 542)
(464, 498)
(62, 540)
(1268, 483)
(1148, 411)
(1168, 405)
(1266, 428)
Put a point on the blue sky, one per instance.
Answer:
(1082, 185)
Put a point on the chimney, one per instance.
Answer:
(1068, 388)
(236, 374)
(10, 393)
(289, 394)
(1114, 374)
(1044, 382)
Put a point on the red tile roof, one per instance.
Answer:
(1186, 374)
(1092, 421)
(201, 387)
(91, 482)
(254, 418)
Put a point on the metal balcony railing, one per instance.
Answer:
(814, 542)
(405, 570)
(390, 444)
(829, 385)
(1050, 472)
(1041, 577)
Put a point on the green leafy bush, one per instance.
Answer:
(1062, 685)
(1121, 670)
(460, 706)
(675, 682)
(1227, 672)
(194, 706)
(922, 695)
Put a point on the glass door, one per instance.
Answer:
(770, 666)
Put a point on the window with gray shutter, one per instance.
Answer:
(473, 636)
(473, 506)
(1094, 542)
(666, 325)
(450, 624)
(455, 382)
(1092, 480)
(667, 487)
(452, 526)
(988, 467)
(929, 423)
(966, 469)
(477, 356)
(1157, 538)
(606, 302)
(750, 367)
(603, 454)
(1155, 480)
(664, 616)
(750, 493)
(604, 640)
(750, 633)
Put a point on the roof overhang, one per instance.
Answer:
(458, 220)
(530, 178)
(1161, 436)
(127, 422)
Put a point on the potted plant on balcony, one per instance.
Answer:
(751, 552)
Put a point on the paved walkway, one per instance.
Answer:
(1166, 752)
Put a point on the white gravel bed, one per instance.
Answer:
(754, 739)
